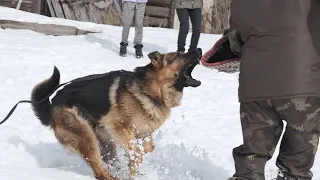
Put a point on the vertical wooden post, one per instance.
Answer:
(19, 4)
(57, 8)
(172, 14)
(53, 14)
(37, 6)
(68, 12)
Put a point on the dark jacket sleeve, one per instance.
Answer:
(234, 39)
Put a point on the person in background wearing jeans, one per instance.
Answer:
(132, 10)
(186, 9)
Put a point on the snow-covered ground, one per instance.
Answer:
(194, 144)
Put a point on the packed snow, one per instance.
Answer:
(195, 143)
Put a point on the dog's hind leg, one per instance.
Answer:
(107, 147)
(76, 135)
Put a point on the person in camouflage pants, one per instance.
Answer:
(262, 127)
(279, 46)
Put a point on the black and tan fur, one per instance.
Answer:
(90, 117)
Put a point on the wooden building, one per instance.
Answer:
(24, 5)
(159, 13)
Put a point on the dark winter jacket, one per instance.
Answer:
(280, 53)
(188, 4)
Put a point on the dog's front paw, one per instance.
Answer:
(148, 147)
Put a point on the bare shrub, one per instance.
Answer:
(220, 15)
(215, 17)
(111, 16)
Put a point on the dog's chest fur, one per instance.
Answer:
(150, 117)
(140, 112)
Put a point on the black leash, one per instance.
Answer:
(28, 101)
(86, 78)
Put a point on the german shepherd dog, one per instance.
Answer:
(91, 117)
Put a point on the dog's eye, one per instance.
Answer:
(176, 74)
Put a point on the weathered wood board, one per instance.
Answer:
(49, 29)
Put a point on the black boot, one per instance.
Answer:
(123, 49)
(191, 49)
(138, 48)
(180, 51)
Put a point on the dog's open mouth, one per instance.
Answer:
(189, 80)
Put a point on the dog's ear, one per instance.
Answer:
(156, 58)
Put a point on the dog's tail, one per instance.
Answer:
(42, 107)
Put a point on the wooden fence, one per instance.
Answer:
(24, 5)
(159, 13)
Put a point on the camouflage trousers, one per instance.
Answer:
(262, 127)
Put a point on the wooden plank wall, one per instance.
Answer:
(26, 5)
(159, 13)
(33, 6)
(97, 11)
